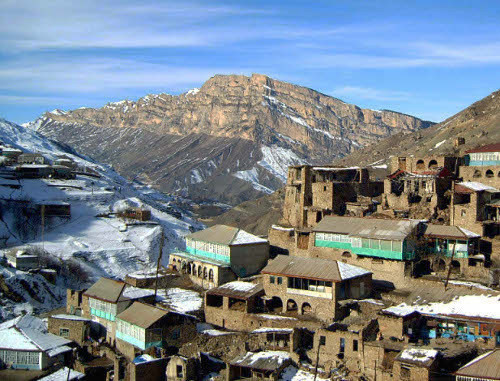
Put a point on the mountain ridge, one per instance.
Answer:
(271, 124)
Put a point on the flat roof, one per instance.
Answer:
(445, 231)
(265, 360)
(495, 147)
(237, 289)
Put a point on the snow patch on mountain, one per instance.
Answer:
(252, 176)
(277, 159)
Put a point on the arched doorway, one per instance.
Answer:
(433, 164)
(441, 265)
(291, 306)
(275, 304)
(306, 309)
(346, 254)
(420, 165)
(200, 271)
(477, 174)
(189, 268)
(489, 173)
(211, 275)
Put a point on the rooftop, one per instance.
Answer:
(367, 227)
(444, 231)
(113, 291)
(483, 367)
(495, 147)
(313, 268)
(142, 315)
(237, 289)
(267, 360)
(473, 186)
(226, 235)
(418, 356)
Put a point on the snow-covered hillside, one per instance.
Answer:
(103, 246)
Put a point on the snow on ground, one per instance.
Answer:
(440, 143)
(252, 176)
(180, 300)
(469, 284)
(277, 159)
(103, 246)
(418, 354)
(291, 373)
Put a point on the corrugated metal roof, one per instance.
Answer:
(142, 315)
(495, 147)
(485, 366)
(226, 235)
(312, 268)
(237, 289)
(267, 360)
(445, 231)
(106, 289)
(367, 227)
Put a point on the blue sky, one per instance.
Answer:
(425, 58)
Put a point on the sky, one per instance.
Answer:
(430, 59)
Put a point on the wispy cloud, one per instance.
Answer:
(369, 93)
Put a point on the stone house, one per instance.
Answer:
(416, 364)
(33, 171)
(474, 207)
(142, 326)
(482, 164)
(452, 246)
(180, 368)
(313, 286)
(225, 305)
(399, 323)
(341, 343)
(75, 302)
(26, 344)
(220, 254)
(11, 154)
(278, 339)
(409, 193)
(71, 327)
(31, 158)
(259, 365)
(419, 164)
(22, 259)
(54, 208)
(314, 192)
(385, 247)
(135, 214)
(107, 298)
(482, 368)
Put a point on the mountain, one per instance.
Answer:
(231, 140)
(92, 242)
(478, 124)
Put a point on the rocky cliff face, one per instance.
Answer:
(231, 140)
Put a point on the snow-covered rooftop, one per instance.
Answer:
(62, 375)
(418, 355)
(478, 187)
(132, 292)
(70, 317)
(349, 271)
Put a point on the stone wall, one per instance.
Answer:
(151, 371)
(410, 372)
(489, 175)
(74, 301)
(79, 330)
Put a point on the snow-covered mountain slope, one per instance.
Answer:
(102, 246)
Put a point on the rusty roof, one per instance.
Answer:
(495, 147)
(142, 315)
(485, 366)
(313, 268)
(237, 289)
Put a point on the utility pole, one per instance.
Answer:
(160, 255)
(317, 359)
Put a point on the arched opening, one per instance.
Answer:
(346, 254)
(498, 174)
(194, 269)
(200, 271)
(205, 273)
(306, 309)
(423, 268)
(184, 266)
(189, 268)
(455, 267)
(291, 306)
(489, 174)
(441, 266)
(420, 165)
(211, 275)
(477, 174)
(433, 164)
(275, 304)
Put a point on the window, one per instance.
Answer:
(342, 345)
(64, 332)
(355, 345)
(272, 279)
(280, 280)
(179, 371)
(322, 340)
(463, 212)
